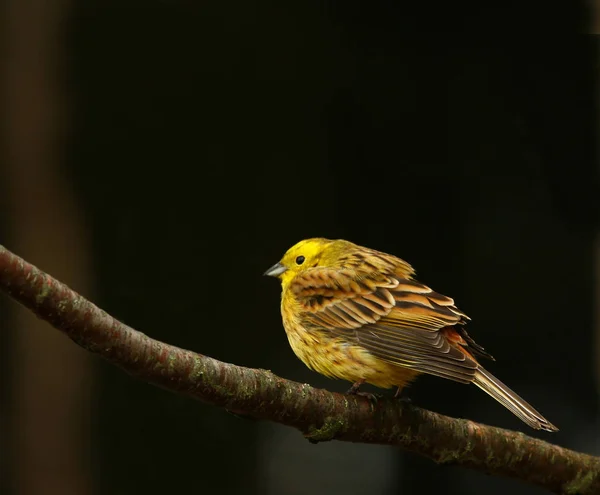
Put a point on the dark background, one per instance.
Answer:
(197, 141)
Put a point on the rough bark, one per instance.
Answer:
(320, 415)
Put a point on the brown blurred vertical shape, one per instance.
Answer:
(50, 387)
(595, 30)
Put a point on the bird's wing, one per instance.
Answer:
(400, 321)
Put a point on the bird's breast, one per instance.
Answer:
(336, 357)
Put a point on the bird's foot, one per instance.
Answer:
(354, 390)
(402, 397)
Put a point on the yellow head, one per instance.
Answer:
(338, 254)
(304, 255)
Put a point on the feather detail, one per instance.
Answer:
(513, 402)
(397, 320)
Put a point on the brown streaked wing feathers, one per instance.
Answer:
(397, 320)
(340, 299)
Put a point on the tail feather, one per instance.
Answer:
(515, 404)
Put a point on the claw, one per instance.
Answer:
(402, 398)
(373, 398)
(354, 390)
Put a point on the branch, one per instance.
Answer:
(320, 415)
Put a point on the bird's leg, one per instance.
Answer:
(402, 397)
(353, 390)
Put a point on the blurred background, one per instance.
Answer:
(159, 155)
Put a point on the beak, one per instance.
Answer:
(276, 270)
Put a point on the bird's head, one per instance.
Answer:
(307, 254)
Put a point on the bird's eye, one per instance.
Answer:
(300, 260)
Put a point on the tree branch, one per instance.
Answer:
(320, 415)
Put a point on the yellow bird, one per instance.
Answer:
(357, 314)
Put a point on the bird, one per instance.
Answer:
(357, 314)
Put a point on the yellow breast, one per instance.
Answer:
(336, 358)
